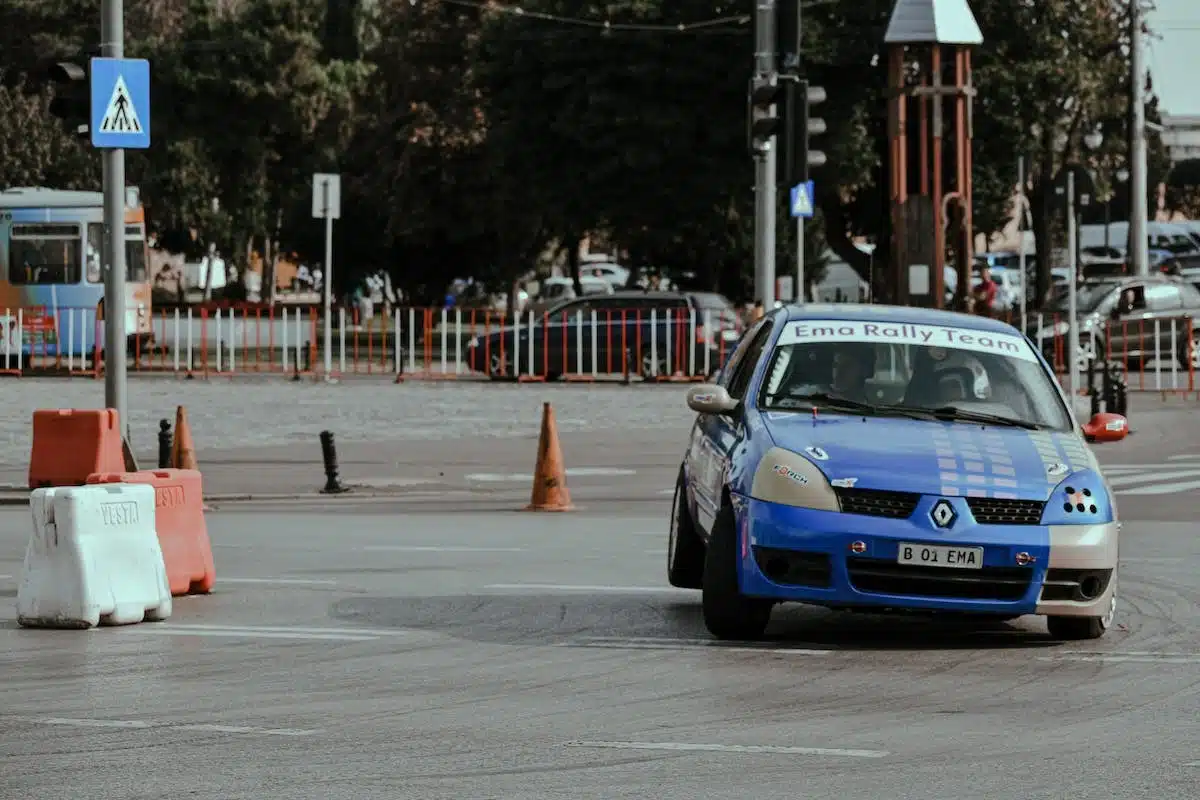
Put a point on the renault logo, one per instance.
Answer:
(942, 514)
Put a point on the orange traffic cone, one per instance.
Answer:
(183, 451)
(549, 478)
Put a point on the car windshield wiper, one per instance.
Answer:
(963, 415)
(837, 402)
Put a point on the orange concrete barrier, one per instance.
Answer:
(179, 520)
(71, 444)
(549, 476)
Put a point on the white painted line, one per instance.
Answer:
(573, 472)
(732, 748)
(142, 724)
(682, 646)
(666, 641)
(666, 491)
(1126, 659)
(157, 630)
(260, 632)
(1165, 488)
(1157, 477)
(281, 581)
(599, 472)
(5, 577)
(1184, 457)
(403, 548)
(246, 729)
(1193, 764)
(92, 723)
(555, 587)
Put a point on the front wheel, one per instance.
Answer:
(685, 550)
(729, 614)
(1083, 628)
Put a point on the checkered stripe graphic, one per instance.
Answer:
(974, 463)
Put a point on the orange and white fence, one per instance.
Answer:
(1160, 355)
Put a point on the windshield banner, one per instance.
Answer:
(815, 331)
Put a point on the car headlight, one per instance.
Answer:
(1080, 499)
(790, 479)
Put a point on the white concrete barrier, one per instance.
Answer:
(93, 559)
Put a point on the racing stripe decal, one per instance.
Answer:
(974, 462)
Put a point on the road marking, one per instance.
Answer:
(5, 577)
(1193, 764)
(1130, 658)
(260, 632)
(1129, 479)
(142, 724)
(731, 748)
(573, 472)
(1184, 457)
(282, 581)
(666, 491)
(1165, 488)
(555, 587)
(667, 643)
(402, 548)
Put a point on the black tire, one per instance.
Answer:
(685, 549)
(1189, 357)
(1073, 629)
(728, 614)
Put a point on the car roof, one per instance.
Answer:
(860, 312)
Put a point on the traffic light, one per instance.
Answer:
(798, 155)
(72, 101)
(763, 120)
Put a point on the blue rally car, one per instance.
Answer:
(887, 459)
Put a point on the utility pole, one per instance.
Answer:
(112, 45)
(765, 158)
(1072, 281)
(1138, 248)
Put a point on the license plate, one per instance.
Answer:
(936, 555)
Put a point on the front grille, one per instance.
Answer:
(875, 576)
(877, 503)
(994, 511)
(794, 567)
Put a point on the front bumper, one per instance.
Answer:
(797, 554)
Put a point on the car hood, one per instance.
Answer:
(931, 457)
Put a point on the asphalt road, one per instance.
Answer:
(437, 652)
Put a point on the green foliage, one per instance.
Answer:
(470, 141)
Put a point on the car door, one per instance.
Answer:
(1164, 308)
(717, 435)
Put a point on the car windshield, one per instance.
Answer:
(1088, 297)
(918, 371)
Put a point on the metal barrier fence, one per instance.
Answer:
(666, 344)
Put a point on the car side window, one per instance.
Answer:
(742, 371)
(1163, 297)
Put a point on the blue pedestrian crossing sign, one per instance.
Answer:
(120, 90)
(802, 199)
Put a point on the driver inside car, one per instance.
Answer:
(853, 366)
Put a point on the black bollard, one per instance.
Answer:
(333, 484)
(164, 444)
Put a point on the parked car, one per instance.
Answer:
(660, 332)
(1118, 314)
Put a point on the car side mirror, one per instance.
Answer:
(709, 398)
(1106, 428)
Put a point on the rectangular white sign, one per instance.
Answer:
(834, 330)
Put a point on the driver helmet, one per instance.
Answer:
(951, 385)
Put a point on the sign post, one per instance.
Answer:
(120, 120)
(802, 209)
(327, 205)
